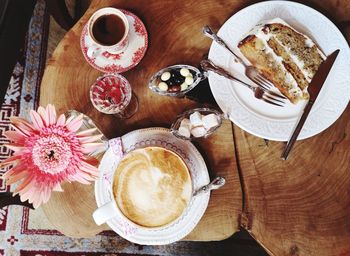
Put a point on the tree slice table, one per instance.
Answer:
(295, 207)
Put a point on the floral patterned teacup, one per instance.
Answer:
(108, 30)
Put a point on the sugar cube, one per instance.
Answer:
(184, 131)
(196, 119)
(210, 121)
(198, 131)
(186, 123)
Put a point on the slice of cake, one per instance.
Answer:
(286, 57)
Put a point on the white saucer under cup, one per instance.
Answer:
(110, 62)
(182, 226)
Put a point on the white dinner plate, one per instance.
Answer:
(265, 120)
(199, 174)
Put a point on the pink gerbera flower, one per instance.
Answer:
(47, 152)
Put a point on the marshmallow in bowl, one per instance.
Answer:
(186, 122)
(196, 119)
(198, 131)
(185, 128)
(185, 131)
(210, 121)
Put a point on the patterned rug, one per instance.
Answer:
(27, 232)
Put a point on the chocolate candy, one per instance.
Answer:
(174, 88)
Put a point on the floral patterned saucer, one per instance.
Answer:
(199, 174)
(121, 62)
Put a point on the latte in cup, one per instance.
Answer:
(152, 186)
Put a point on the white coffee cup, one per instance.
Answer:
(108, 211)
(164, 217)
(121, 40)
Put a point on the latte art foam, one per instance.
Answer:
(152, 186)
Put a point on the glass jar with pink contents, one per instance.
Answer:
(112, 94)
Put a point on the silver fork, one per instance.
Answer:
(250, 71)
(259, 93)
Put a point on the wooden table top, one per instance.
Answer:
(295, 207)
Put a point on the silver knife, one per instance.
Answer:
(314, 89)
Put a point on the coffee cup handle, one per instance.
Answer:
(105, 213)
(93, 51)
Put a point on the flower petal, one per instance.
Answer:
(86, 132)
(90, 160)
(34, 196)
(90, 147)
(22, 125)
(16, 177)
(41, 192)
(14, 136)
(69, 119)
(88, 175)
(61, 120)
(28, 192)
(42, 113)
(10, 160)
(15, 147)
(25, 184)
(51, 114)
(47, 194)
(90, 138)
(58, 188)
(14, 171)
(89, 168)
(79, 178)
(92, 175)
(75, 124)
(37, 120)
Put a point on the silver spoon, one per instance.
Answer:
(216, 183)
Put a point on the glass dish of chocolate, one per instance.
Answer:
(196, 123)
(175, 80)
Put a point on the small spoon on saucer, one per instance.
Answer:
(216, 183)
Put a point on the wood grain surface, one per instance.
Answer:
(300, 206)
(174, 38)
(295, 207)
